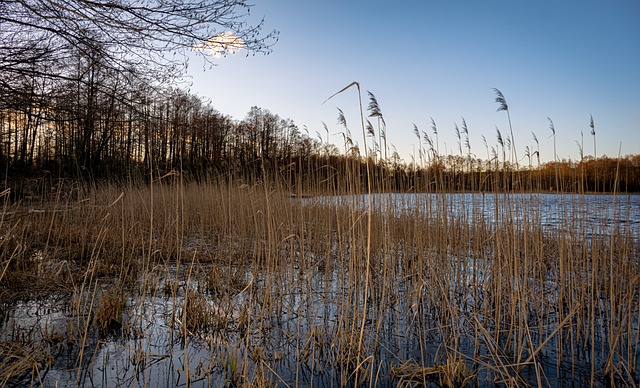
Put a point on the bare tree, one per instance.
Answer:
(143, 34)
(81, 59)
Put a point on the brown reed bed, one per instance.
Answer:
(257, 287)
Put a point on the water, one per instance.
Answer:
(597, 213)
(296, 327)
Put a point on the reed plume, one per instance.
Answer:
(503, 106)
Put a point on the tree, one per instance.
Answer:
(149, 34)
(82, 59)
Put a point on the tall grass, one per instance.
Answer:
(267, 283)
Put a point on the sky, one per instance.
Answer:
(564, 60)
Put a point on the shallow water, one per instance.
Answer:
(294, 327)
(295, 343)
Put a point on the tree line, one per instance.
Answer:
(111, 125)
(88, 91)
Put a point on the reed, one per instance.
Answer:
(110, 308)
(323, 281)
(24, 361)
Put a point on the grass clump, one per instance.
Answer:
(452, 374)
(22, 362)
(195, 313)
(110, 309)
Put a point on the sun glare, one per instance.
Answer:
(222, 44)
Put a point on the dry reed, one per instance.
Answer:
(340, 287)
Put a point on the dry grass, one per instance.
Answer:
(336, 288)
(195, 314)
(452, 374)
(110, 308)
(23, 362)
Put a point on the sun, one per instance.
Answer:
(221, 45)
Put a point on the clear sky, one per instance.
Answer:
(565, 60)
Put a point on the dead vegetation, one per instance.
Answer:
(284, 281)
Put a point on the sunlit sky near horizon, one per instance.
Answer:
(565, 60)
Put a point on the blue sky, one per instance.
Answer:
(565, 60)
